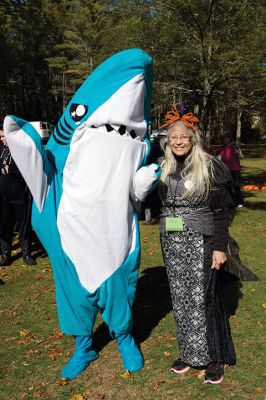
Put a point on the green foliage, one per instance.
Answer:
(208, 53)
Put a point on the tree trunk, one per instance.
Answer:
(238, 124)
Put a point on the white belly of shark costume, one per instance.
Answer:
(95, 217)
(84, 184)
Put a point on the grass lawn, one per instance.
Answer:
(33, 350)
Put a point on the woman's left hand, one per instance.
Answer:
(218, 258)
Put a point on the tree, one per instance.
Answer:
(207, 52)
(30, 32)
(202, 47)
(83, 28)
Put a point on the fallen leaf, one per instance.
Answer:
(37, 395)
(63, 381)
(88, 393)
(263, 305)
(25, 332)
(22, 341)
(56, 335)
(145, 239)
(55, 354)
(201, 374)
(259, 390)
(31, 351)
(260, 324)
(10, 339)
(253, 290)
(166, 353)
(22, 395)
(126, 375)
(77, 397)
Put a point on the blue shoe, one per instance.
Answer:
(131, 356)
(82, 357)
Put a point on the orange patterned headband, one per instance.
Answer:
(173, 115)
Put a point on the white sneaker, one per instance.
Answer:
(240, 205)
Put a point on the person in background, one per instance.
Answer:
(194, 236)
(230, 154)
(15, 207)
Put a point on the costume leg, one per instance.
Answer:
(131, 356)
(117, 295)
(77, 308)
(83, 356)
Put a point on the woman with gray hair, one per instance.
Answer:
(196, 202)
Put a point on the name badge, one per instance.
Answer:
(173, 224)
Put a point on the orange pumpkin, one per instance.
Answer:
(255, 187)
(248, 187)
(263, 187)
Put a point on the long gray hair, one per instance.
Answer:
(196, 171)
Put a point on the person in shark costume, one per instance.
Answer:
(84, 184)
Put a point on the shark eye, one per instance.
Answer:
(77, 111)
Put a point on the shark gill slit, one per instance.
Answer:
(61, 136)
(62, 128)
(67, 125)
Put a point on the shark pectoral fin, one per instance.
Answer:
(26, 149)
(144, 181)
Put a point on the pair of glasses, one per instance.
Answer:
(179, 139)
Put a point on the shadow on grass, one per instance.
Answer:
(259, 205)
(253, 205)
(153, 303)
(101, 337)
(254, 178)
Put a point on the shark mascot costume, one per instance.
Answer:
(84, 184)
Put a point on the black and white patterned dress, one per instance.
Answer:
(188, 257)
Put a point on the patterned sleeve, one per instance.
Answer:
(221, 203)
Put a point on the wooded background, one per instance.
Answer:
(210, 53)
